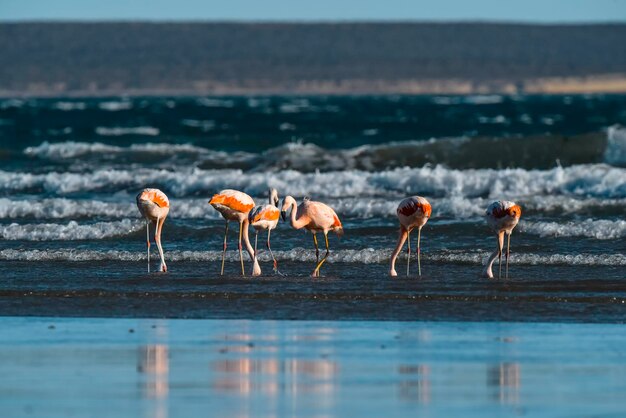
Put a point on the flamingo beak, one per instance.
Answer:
(283, 214)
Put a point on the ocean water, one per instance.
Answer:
(70, 169)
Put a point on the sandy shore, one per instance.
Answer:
(444, 293)
(172, 368)
(594, 84)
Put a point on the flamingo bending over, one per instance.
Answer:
(502, 216)
(235, 206)
(413, 212)
(265, 217)
(154, 206)
(314, 217)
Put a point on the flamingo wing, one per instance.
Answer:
(155, 196)
(264, 213)
(411, 205)
(322, 216)
(234, 200)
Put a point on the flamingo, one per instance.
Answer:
(314, 217)
(413, 212)
(265, 217)
(235, 206)
(502, 216)
(154, 206)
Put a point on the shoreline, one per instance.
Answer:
(601, 84)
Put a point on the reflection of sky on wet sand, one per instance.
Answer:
(172, 368)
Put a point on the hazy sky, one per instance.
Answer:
(507, 10)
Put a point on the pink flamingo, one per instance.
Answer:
(235, 206)
(265, 217)
(502, 216)
(314, 217)
(154, 206)
(413, 212)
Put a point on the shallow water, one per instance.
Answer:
(168, 368)
(70, 170)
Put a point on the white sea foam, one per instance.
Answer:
(119, 131)
(114, 106)
(71, 149)
(215, 102)
(67, 106)
(484, 99)
(61, 208)
(590, 228)
(361, 256)
(9, 103)
(58, 132)
(203, 125)
(497, 120)
(447, 100)
(123, 206)
(615, 152)
(570, 205)
(68, 232)
(600, 181)
(371, 207)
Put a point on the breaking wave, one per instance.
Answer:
(615, 152)
(71, 149)
(599, 181)
(455, 207)
(362, 256)
(72, 231)
(119, 131)
(590, 228)
(62, 208)
(540, 152)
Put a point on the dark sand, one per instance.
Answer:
(446, 293)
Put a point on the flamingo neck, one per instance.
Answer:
(296, 223)
(401, 240)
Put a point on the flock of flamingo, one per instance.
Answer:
(413, 212)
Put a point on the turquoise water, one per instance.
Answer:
(237, 368)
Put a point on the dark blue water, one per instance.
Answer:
(70, 169)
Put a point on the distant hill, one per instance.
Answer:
(152, 58)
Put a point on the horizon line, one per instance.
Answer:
(318, 21)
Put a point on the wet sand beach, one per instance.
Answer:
(60, 367)
(444, 293)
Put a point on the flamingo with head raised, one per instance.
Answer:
(314, 217)
(502, 216)
(265, 217)
(235, 206)
(413, 212)
(154, 206)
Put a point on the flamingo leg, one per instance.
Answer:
(500, 245)
(408, 253)
(508, 253)
(224, 250)
(317, 250)
(157, 238)
(316, 272)
(148, 241)
(243, 272)
(256, 237)
(271, 253)
(419, 265)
